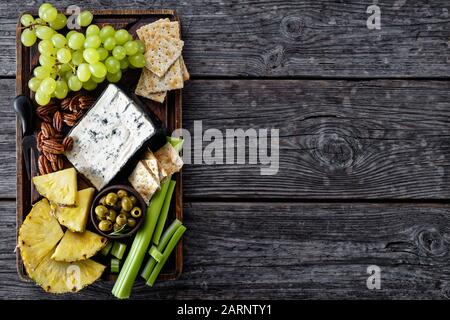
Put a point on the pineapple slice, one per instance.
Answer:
(75, 218)
(76, 246)
(59, 187)
(38, 235)
(62, 277)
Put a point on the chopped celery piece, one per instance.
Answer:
(154, 252)
(167, 252)
(115, 263)
(167, 235)
(118, 249)
(164, 212)
(106, 249)
(127, 276)
(177, 143)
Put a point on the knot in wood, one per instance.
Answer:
(292, 27)
(335, 152)
(274, 58)
(431, 242)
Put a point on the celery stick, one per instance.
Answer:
(155, 254)
(164, 212)
(167, 235)
(118, 249)
(170, 247)
(122, 287)
(177, 143)
(115, 263)
(106, 249)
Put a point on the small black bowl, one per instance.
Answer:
(140, 203)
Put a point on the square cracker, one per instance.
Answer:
(169, 159)
(161, 53)
(173, 79)
(162, 27)
(143, 181)
(141, 91)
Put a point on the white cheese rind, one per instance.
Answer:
(108, 136)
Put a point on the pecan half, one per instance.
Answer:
(49, 156)
(47, 110)
(44, 165)
(60, 163)
(52, 146)
(47, 130)
(45, 118)
(57, 121)
(67, 143)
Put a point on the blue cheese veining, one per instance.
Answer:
(108, 136)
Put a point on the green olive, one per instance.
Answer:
(101, 211)
(125, 213)
(121, 219)
(105, 225)
(133, 200)
(136, 212)
(131, 222)
(111, 199)
(102, 201)
(127, 205)
(111, 215)
(117, 227)
(118, 205)
(122, 193)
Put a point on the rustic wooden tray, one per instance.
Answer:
(170, 114)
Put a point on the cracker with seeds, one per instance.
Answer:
(161, 53)
(142, 91)
(173, 79)
(162, 27)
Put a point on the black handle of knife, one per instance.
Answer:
(24, 110)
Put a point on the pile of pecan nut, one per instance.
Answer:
(51, 141)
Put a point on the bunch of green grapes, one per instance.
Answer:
(76, 60)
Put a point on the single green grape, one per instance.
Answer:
(41, 98)
(46, 47)
(40, 22)
(43, 7)
(64, 55)
(50, 14)
(34, 84)
(121, 36)
(119, 53)
(98, 69)
(66, 76)
(26, 20)
(89, 85)
(44, 32)
(91, 55)
(93, 41)
(131, 48)
(61, 89)
(48, 86)
(97, 79)
(106, 32)
(28, 37)
(76, 41)
(60, 22)
(58, 40)
(83, 72)
(114, 77)
(48, 61)
(85, 18)
(92, 30)
(112, 65)
(109, 43)
(42, 72)
(124, 64)
(74, 83)
(70, 33)
(141, 46)
(77, 57)
(137, 61)
(103, 53)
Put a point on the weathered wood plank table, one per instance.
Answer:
(364, 120)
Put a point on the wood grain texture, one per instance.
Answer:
(290, 37)
(338, 139)
(268, 250)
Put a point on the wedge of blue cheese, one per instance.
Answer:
(110, 133)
